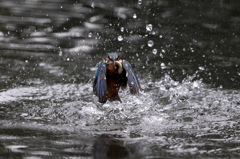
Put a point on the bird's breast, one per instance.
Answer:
(111, 69)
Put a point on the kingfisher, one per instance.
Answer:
(113, 74)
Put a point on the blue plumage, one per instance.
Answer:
(99, 84)
(133, 82)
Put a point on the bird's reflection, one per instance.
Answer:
(107, 147)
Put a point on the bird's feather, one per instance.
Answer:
(133, 82)
(100, 84)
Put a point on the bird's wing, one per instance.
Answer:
(133, 82)
(100, 84)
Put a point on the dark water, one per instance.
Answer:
(186, 55)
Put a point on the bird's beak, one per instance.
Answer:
(114, 62)
(120, 67)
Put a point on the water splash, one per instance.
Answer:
(164, 107)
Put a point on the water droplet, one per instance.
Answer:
(161, 55)
(26, 61)
(150, 43)
(163, 66)
(90, 35)
(149, 27)
(139, 1)
(154, 51)
(201, 68)
(122, 29)
(120, 38)
(134, 16)
(60, 52)
(92, 5)
(132, 83)
(160, 36)
(77, 34)
(68, 59)
(192, 50)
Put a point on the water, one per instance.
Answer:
(189, 106)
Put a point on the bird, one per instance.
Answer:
(113, 74)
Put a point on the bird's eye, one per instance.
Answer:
(110, 58)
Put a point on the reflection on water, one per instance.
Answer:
(186, 55)
(108, 147)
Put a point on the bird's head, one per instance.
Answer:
(113, 57)
(115, 61)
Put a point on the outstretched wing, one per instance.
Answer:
(99, 83)
(133, 82)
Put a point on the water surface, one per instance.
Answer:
(185, 54)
